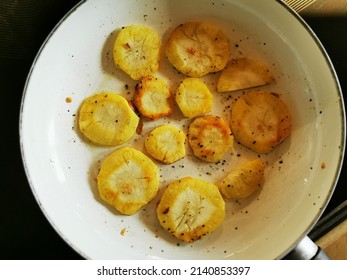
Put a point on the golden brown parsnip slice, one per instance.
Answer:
(210, 138)
(107, 119)
(137, 51)
(243, 73)
(166, 143)
(128, 180)
(152, 98)
(260, 120)
(193, 97)
(244, 180)
(191, 208)
(198, 48)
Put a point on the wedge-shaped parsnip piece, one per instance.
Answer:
(191, 208)
(243, 73)
(166, 143)
(260, 121)
(210, 138)
(244, 180)
(153, 98)
(198, 48)
(128, 180)
(193, 97)
(107, 119)
(137, 51)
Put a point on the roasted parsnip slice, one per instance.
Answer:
(260, 121)
(153, 98)
(244, 180)
(243, 73)
(107, 119)
(193, 97)
(198, 48)
(210, 137)
(191, 208)
(128, 180)
(166, 143)
(137, 51)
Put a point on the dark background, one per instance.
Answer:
(24, 24)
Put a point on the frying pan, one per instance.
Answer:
(76, 61)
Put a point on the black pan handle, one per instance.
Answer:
(307, 250)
